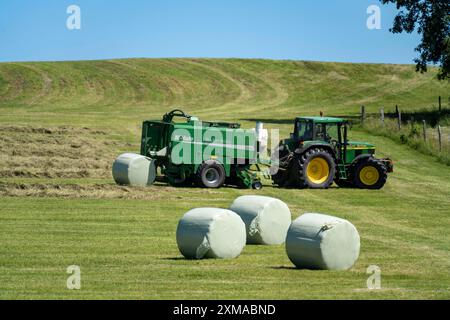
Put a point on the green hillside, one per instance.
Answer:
(63, 123)
(125, 91)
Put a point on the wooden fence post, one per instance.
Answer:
(363, 114)
(399, 118)
(424, 125)
(440, 138)
(440, 104)
(382, 116)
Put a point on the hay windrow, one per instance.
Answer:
(37, 153)
(61, 152)
(96, 191)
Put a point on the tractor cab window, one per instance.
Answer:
(332, 132)
(326, 132)
(304, 130)
(320, 131)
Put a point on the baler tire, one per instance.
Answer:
(216, 168)
(380, 174)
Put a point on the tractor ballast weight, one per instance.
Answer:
(208, 154)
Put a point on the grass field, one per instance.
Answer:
(62, 124)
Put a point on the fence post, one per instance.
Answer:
(440, 104)
(363, 114)
(399, 118)
(424, 125)
(440, 138)
(382, 116)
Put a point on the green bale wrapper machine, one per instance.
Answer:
(208, 154)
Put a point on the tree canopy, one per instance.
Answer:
(431, 19)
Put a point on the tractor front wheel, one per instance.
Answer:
(316, 169)
(370, 174)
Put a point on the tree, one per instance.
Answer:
(431, 19)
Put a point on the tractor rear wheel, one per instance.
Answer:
(211, 174)
(316, 169)
(370, 174)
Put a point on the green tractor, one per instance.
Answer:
(318, 153)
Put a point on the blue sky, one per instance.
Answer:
(328, 30)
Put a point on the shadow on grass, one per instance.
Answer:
(291, 121)
(284, 268)
(175, 259)
(295, 268)
(432, 117)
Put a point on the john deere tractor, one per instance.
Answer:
(318, 153)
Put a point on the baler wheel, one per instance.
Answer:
(257, 185)
(211, 174)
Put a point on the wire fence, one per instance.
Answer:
(430, 136)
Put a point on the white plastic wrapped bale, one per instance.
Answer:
(134, 170)
(318, 241)
(211, 233)
(266, 219)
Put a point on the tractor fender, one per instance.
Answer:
(327, 147)
(361, 157)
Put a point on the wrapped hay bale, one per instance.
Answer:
(134, 170)
(210, 233)
(266, 219)
(318, 241)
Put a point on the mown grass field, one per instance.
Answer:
(62, 124)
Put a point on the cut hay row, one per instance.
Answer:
(56, 152)
(97, 191)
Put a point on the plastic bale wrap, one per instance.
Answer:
(318, 241)
(266, 219)
(210, 233)
(134, 170)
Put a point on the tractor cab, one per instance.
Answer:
(333, 132)
(319, 128)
